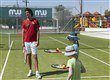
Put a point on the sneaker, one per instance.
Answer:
(38, 76)
(30, 74)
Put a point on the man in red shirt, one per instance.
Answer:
(30, 40)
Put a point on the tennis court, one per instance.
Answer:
(94, 53)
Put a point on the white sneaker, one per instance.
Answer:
(30, 74)
(38, 76)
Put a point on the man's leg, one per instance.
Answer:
(36, 66)
(36, 62)
(29, 62)
(28, 55)
(34, 52)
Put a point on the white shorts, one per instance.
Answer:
(31, 47)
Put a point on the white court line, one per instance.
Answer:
(94, 58)
(87, 77)
(1, 75)
(83, 52)
(59, 78)
(94, 48)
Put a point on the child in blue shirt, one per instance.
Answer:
(72, 37)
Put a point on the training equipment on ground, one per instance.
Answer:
(59, 66)
(53, 51)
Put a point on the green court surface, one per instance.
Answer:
(94, 54)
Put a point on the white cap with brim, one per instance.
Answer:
(70, 51)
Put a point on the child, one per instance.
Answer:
(73, 64)
(72, 37)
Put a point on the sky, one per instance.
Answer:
(73, 5)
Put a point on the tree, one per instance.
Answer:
(59, 8)
(62, 14)
(107, 13)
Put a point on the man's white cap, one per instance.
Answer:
(70, 51)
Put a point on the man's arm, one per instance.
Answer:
(38, 37)
(23, 37)
(37, 31)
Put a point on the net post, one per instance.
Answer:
(9, 40)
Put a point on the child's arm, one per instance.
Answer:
(70, 73)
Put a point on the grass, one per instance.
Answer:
(17, 70)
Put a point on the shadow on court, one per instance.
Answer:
(54, 72)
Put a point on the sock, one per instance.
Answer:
(30, 70)
(37, 72)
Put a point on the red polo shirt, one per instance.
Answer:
(30, 28)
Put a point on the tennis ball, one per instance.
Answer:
(63, 66)
(57, 49)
